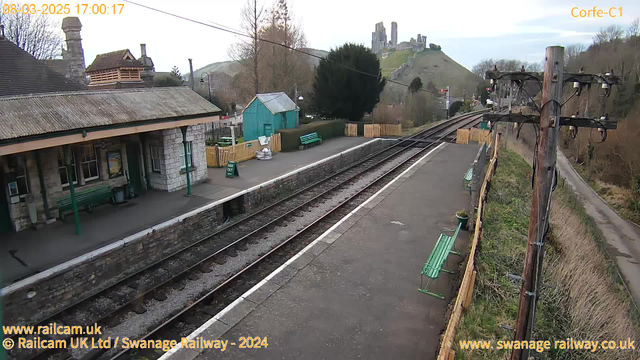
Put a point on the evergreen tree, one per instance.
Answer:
(341, 92)
(175, 72)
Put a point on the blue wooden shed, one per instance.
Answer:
(267, 113)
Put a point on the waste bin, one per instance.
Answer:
(119, 197)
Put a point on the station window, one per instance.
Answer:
(156, 158)
(62, 169)
(189, 154)
(89, 163)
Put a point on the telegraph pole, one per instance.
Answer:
(540, 205)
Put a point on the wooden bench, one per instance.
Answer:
(466, 180)
(435, 263)
(85, 198)
(310, 139)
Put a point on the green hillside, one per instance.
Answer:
(434, 66)
(394, 61)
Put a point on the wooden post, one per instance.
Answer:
(540, 206)
(469, 294)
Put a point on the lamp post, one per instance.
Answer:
(208, 83)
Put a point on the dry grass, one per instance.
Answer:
(584, 277)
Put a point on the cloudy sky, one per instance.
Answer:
(468, 31)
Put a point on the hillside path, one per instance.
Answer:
(622, 236)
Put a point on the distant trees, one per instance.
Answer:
(433, 46)
(504, 65)
(341, 92)
(36, 34)
(634, 28)
(609, 34)
(571, 52)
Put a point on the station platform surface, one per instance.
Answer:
(352, 293)
(28, 252)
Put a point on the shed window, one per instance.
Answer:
(89, 163)
(62, 169)
(156, 157)
(189, 155)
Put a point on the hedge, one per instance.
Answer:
(326, 129)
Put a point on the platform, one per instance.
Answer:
(353, 292)
(28, 252)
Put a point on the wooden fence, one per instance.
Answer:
(220, 156)
(371, 130)
(351, 130)
(465, 293)
(377, 130)
(463, 136)
(390, 130)
(479, 135)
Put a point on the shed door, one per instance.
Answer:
(267, 130)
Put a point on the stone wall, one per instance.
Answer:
(65, 284)
(174, 163)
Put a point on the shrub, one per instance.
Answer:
(325, 129)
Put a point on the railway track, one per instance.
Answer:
(149, 287)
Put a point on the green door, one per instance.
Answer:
(5, 217)
(267, 130)
(133, 162)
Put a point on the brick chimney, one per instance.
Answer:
(74, 55)
(149, 70)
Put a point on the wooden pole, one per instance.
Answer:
(543, 183)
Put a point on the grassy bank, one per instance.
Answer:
(584, 282)
(415, 129)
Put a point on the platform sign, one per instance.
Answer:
(232, 169)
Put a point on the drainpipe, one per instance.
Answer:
(186, 158)
(43, 189)
(74, 203)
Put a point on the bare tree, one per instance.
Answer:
(247, 52)
(571, 52)
(534, 66)
(284, 66)
(482, 67)
(634, 28)
(34, 33)
(609, 34)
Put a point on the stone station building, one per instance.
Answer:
(134, 138)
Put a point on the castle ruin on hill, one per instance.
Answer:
(379, 41)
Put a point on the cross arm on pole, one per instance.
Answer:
(608, 124)
(582, 78)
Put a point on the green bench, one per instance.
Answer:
(310, 139)
(85, 198)
(466, 180)
(435, 263)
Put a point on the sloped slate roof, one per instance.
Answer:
(21, 73)
(277, 102)
(113, 60)
(22, 116)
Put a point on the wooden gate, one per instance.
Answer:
(351, 130)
